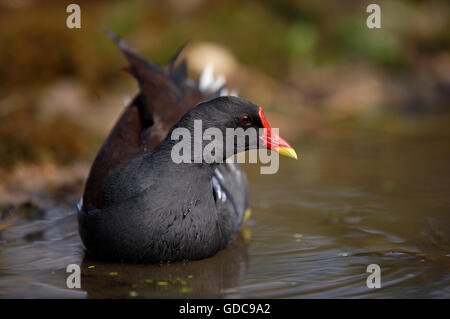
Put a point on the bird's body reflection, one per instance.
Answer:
(192, 279)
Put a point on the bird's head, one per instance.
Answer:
(241, 122)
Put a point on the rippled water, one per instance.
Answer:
(316, 226)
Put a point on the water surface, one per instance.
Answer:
(315, 227)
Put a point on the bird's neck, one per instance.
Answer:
(167, 154)
(193, 144)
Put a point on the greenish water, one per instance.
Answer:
(315, 227)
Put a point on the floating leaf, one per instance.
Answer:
(184, 290)
(162, 283)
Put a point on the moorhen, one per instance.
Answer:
(139, 206)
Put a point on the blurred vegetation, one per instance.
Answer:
(303, 47)
(25, 136)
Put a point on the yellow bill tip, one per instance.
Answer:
(287, 151)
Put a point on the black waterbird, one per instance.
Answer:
(140, 206)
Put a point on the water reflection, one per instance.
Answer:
(197, 279)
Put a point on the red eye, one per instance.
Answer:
(245, 120)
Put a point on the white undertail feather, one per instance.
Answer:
(225, 92)
(208, 83)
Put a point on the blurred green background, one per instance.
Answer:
(313, 65)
